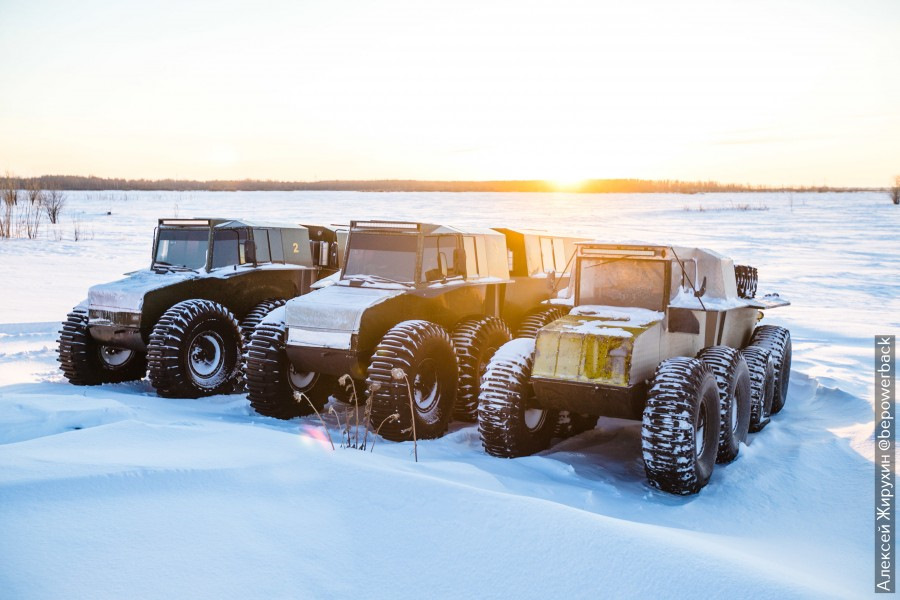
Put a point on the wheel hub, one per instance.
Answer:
(425, 386)
(534, 418)
(733, 413)
(700, 433)
(301, 380)
(206, 355)
(114, 357)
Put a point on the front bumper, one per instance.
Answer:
(590, 398)
(330, 361)
(120, 329)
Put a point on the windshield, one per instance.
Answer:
(182, 248)
(389, 256)
(623, 282)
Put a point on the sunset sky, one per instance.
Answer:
(794, 92)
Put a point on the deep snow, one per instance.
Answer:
(111, 492)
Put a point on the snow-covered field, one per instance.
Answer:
(111, 492)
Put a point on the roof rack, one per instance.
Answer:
(186, 222)
(386, 225)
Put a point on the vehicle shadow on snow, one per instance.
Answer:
(796, 455)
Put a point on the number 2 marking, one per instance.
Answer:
(296, 248)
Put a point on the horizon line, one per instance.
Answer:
(588, 185)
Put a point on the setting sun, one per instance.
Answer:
(567, 184)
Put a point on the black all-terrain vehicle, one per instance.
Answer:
(659, 334)
(183, 318)
(419, 309)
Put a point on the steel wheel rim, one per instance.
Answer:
(700, 432)
(733, 414)
(534, 418)
(114, 357)
(206, 355)
(301, 380)
(426, 388)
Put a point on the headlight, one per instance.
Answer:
(319, 338)
(98, 316)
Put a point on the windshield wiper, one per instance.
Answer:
(171, 267)
(377, 278)
(606, 262)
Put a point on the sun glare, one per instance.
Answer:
(567, 184)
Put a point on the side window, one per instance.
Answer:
(679, 280)
(438, 257)
(559, 254)
(261, 237)
(547, 253)
(227, 248)
(482, 256)
(471, 256)
(275, 247)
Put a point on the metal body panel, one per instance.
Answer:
(525, 293)
(599, 350)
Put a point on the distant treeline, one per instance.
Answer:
(76, 182)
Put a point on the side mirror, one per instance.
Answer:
(459, 259)
(249, 251)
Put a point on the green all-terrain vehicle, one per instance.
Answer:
(417, 304)
(183, 318)
(660, 334)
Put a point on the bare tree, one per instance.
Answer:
(28, 220)
(53, 202)
(6, 219)
(35, 193)
(9, 190)
(895, 190)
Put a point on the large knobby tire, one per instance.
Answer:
(537, 318)
(680, 428)
(762, 385)
(414, 357)
(272, 381)
(195, 350)
(778, 341)
(475, 341)
(256, 315)
(735, 398)
(249, 323)
(85, 362)
(510, 422)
